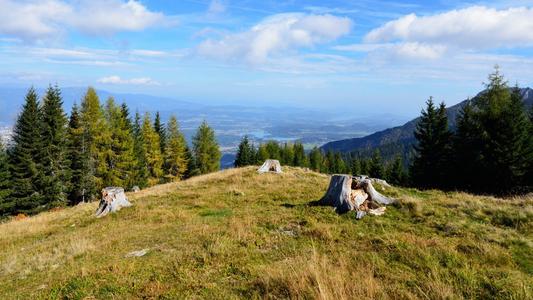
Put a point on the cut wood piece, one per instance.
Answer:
(270, 165)
(360, 214)
(358, 197)
(378, 211)
(113, 199)
(338, 194)
(366, 184)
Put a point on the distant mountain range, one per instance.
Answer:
(400, 139)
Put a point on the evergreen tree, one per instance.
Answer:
(140, 173)
(175, 152)
(54, 149)
(121, 155)
(396, 173)
(5, 180)
(300, 159)
(355, 166)
(246, 155)
(160, 129)
(96, 135)
(375, 168)
(329, 163)
(287, 154)
(339, 167)
(315, 159)
(262, 153)
(364, 166)
(24, 163)
(154, 159)
(192, 166)
(206, 150)
(78, 156)
(431, 163)
(274, 150)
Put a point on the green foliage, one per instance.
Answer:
(5, 179)
(161, 131)
(300, 159)
(316, 159)
(376, 168)
(246, 154)
(175, 154)
(396, 173)
(54, 151)
(78, 156)
(431, 163)
(154, 159)
(206, 150)
(24, 160)
(96, 135)
(139, 149)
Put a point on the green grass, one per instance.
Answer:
(237, 234)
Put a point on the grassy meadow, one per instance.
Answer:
(238, 234)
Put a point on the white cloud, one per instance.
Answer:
(31, 20)
(475, 27)
(398, 51)
(136, 81)
(274, 35)
(216, 7)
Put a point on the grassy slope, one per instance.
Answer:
(237, 234)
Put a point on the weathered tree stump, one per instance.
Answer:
(113, 199)
(346, 193)
(270, 165)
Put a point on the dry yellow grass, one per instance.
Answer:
(237, 234)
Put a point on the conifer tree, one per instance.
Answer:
(24, 163)
(355, 166)
(161, 131)
(287, 154)
(97, 138)
(246, 155)
(206, 150)
(329, 163)
(375, 168)
(274, 150)
(262, 154)
(141, 167)
(300, 159)
(192, 166)
(431, 163)
(121, 155)
(339, 167)
(78, 156)
(396, 173)
(315, 159)
(154, 159)
(5, 181)
(175, 152)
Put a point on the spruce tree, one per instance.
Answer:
(375, 168)
(160, 129)
(287, 154)
(5, 181)
(154, 159)
(96, 135)
(54, 158)
(175, 152)
(24, 160)
(431, 163)
(396, 173)
(300, 159)
(140, 174)
(315, 159)
(262, 154)
(246, 155)
(206, 150)
(355, 166)
(78, 156)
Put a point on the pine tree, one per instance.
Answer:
(160, 129)
(375, 168)
(287, 154)
(262, 154)
(154, 159)
(355, 166)
(300, 159)
(5, 180)
(192, 166)
(339, 167)
(246, 155)
(175, 152)
(96, 135)
(24, 163)
(121, 155)
(431, 163)
(206, 150)
(54, 149)
(78, 156)
(140, 174)
(315, 159)
(396, 173)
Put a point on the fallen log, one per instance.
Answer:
(113, 199)
(270, 165)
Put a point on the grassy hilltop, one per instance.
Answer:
(237, 234)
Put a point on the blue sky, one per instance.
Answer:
(384, 56)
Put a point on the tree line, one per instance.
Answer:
(56, 160)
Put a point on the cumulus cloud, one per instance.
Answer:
(475, 27)
(274, 35)
(216, 7)
(45, 19)
(136, 81)
(398, 51)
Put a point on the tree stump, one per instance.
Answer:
(270, 165)
(346, 193)
(113, 199)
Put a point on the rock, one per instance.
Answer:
(135, 189)
(270, 165)
(137, 253)
(113, 199)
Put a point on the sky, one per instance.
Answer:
(381, 56)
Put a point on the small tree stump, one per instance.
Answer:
(113, 199)
(338, 194)
(270, 165)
